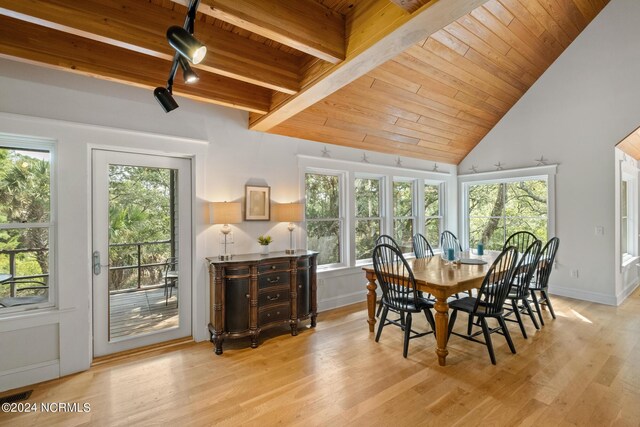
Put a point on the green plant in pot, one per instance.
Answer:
(264, 243)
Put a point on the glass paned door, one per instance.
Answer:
(142, 250)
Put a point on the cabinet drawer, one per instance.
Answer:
(236, 271)
(276, 313)
(273, 296)
(276, 266)
(273, 279)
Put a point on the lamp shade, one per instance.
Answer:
(289, 212)
(225, 213)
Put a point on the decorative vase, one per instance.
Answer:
(264, 249)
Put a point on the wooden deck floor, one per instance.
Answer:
(582, 369)
(142, 311)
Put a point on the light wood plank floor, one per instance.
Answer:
(582, 369)
(142, 311)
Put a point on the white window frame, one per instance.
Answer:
(352, 169)
(344, 242)
(415, 209)
(382, 209)
(441, 211)
(546, 173)
(629, 253)
(27, 143)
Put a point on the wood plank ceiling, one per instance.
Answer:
(631, 144)
(415, 78)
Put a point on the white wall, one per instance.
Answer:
(574, 115)
(80, 113)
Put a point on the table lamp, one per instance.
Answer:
(225, 213)
(290, 212)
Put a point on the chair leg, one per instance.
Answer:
(516, 310)
(527, 306)
(548, 302)
(487, 339)
(383, 319)
(430, 320)
(452, 321)
(534, 297)
(507, 335)
(407, 333)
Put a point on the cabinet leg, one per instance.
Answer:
(218, 344)
(254, 341)
(294, 328)
(313, 320)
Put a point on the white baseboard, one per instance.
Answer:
(626, 292)
(32, 374)
(598, 297)
(342, 300)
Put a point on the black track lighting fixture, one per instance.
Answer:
(188, 49)
(186, 45)
(165, 98)
(188, 74)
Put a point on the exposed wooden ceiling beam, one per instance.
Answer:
(376, 32)
(40, 45)
(304, 25)
(141, 27)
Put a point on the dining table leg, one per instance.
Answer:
(371, 300)
(442, 329)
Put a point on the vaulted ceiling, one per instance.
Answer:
(415, 78)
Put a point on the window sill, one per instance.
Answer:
(627, 260)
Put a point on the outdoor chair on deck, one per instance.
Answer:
(22, 285)
(170, 276)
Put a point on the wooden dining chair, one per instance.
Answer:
(540, 280)
(421, 247)
(399, 293)
(386, 240)
(518, 299)
(449, 240)
(521, 240)
(489, 303)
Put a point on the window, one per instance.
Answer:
(25, 226)
(403, 214)
(323, 216)
(432, 214)
(368, 220)
(496, 210)
(624, 217)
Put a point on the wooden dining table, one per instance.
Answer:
(440, 279)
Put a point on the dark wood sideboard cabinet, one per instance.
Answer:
(253, 292)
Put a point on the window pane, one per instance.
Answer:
(489, 231)
(526, 198)
(623, 198)
(623, 236)
(367, 231)
(322, 196)
(24, 186)
(367, 193)
(431, 200)
(537, 226)
(432, 231)
(25, 254)
(403, 233)
(324, 237)
(402, 198)
(486, 200)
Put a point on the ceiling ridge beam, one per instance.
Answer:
(377, 31)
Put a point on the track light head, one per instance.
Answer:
(186, 45)
(165, 98)
(188, 74)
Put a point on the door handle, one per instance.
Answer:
(95, 261)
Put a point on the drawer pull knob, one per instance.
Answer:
(276, 280)
(273, 267)
(270, 298)
(268, 314)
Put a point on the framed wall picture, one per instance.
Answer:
(257, 203)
